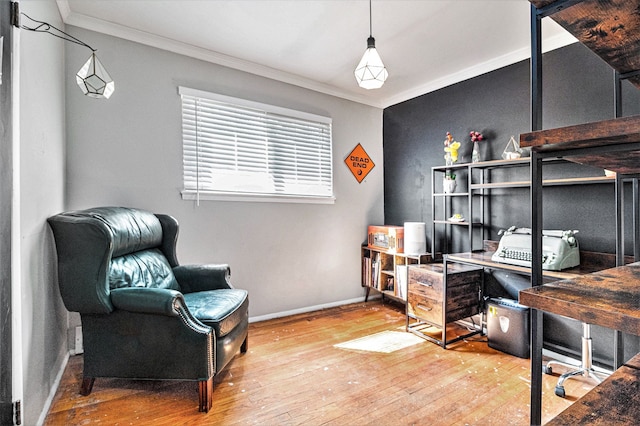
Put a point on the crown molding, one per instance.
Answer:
(549, 44)
(127, 33)
(93, 24)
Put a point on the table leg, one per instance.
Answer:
(536, 367)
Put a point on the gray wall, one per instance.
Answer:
(127, 151)
(40, 181)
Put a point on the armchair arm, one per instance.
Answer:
(147, 300)
(193, 278)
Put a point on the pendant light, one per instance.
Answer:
(93, 79)
(370, 72)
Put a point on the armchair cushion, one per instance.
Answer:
(147, 268)
(223, 310)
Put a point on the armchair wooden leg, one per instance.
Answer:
(87, 385)
(205, 395)
(245, 345)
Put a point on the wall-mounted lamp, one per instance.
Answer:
(370, 72)
(93, 78)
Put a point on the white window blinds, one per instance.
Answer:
(237, 147)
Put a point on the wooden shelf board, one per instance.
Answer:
(392, 295)
(607, 298)
(610, 28)
(620, 137)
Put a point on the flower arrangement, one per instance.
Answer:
(475, 137)
(451, 150)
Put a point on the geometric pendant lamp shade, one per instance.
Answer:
(94, 80)
(370, 72)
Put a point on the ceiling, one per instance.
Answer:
(316, 44)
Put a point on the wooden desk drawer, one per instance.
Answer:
(426, 283)
(424, 308)
(459, 307)
(428, 279)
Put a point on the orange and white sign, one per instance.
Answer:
(359, 163)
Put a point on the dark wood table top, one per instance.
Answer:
(483, 258)
(609, 298)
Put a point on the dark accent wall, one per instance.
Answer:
(578, 88)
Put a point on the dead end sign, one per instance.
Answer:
(359, 163)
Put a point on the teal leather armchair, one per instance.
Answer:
(143, 315)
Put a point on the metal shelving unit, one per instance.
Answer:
(599, 144)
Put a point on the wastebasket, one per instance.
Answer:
(508, 327)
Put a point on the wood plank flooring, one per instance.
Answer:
(293, 375)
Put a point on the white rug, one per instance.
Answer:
(385, 342)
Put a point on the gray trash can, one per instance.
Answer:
(508, 327)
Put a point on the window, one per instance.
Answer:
(235, 149)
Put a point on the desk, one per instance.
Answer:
(590, 262)
(609, 298)
(483, 258)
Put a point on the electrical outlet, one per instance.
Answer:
(78, 342)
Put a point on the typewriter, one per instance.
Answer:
(559, 248)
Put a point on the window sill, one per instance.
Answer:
(255, 198)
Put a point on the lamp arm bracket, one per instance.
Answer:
(44, 27)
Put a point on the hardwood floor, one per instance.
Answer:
(293, 375)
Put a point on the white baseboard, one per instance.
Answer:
(53, 390)
(307, 309)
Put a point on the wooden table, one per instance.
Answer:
(609, 298)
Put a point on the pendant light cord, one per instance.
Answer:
(370, 21)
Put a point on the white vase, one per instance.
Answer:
(475, 154)
(448, 186)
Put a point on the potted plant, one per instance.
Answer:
(449, 182)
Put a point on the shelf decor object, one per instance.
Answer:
(475, 138)
(449, 184)
(450, 150)
(415, 237)
(512, 151)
